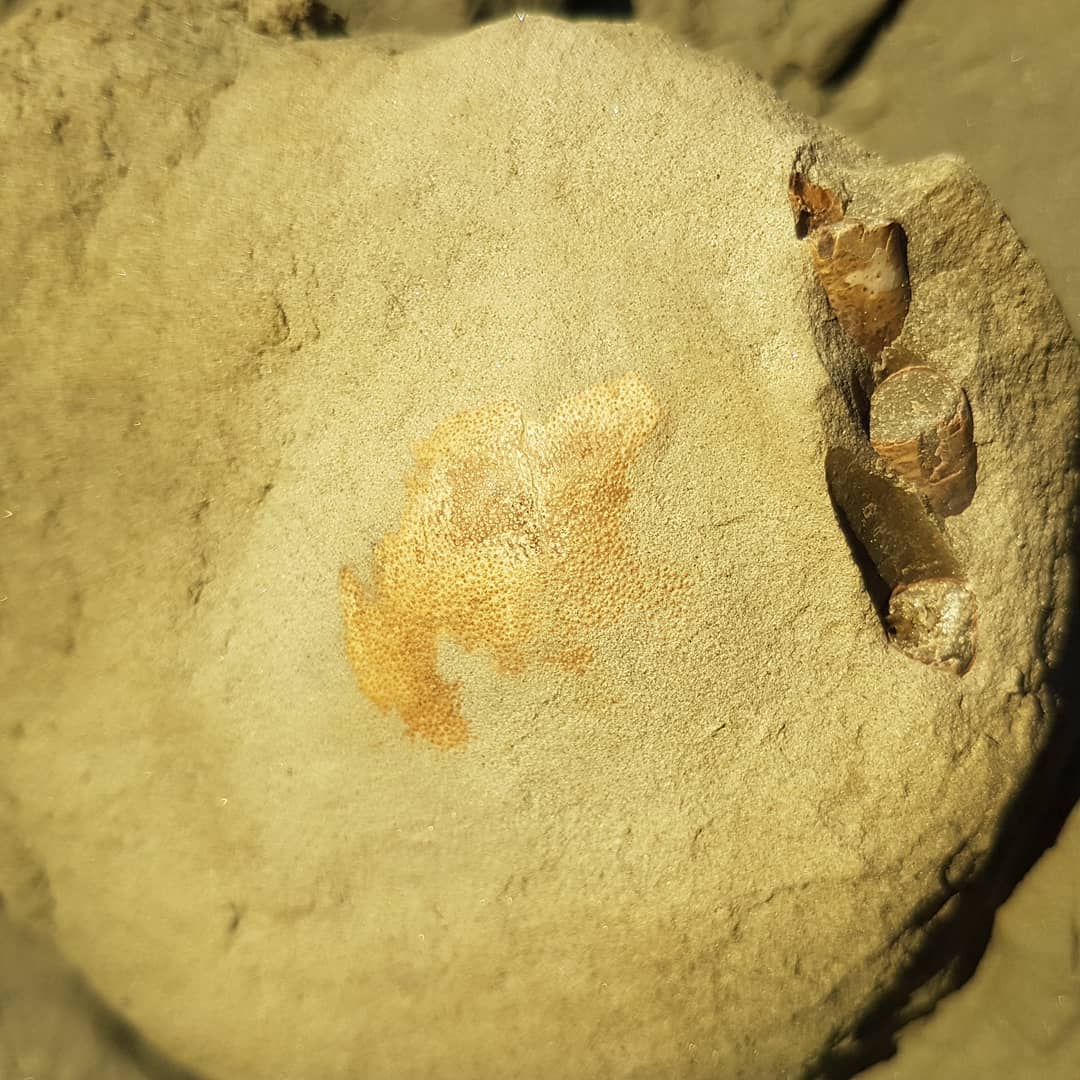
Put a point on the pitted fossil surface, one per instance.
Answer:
(511, 543)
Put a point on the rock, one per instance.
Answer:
(1010, 120)
(1017, 1015)
(514, 330)
(54, 1027)
(779, 39)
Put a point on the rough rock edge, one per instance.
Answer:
(946, 939)
(940, 920)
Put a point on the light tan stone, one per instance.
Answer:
(703, 847)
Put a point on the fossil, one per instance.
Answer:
(511, 542)
(932, 612)
(920, 423)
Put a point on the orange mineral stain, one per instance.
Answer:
(511, 542)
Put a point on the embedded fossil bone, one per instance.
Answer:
(812, 205)
(864, 273)
(863, 270)
(934, 621)
(932, 611)
(920, 423)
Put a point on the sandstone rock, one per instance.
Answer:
(780, 39)
(1010, 120)
(52, 1027)
(1017, 1015)
(517, 323)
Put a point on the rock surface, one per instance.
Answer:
(1019, 1016)
(801, 43)
(998, 87)
(52, 1027)
(699, 838)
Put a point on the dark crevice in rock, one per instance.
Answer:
(874, 584)
(129, 1044)
(598, 9)
(303, 19)
(861, 45)
(956, 941)
(323, 21)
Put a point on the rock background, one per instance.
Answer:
(1014, 74)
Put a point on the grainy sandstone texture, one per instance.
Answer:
(700, 834)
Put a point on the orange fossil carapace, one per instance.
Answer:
(512, 541)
